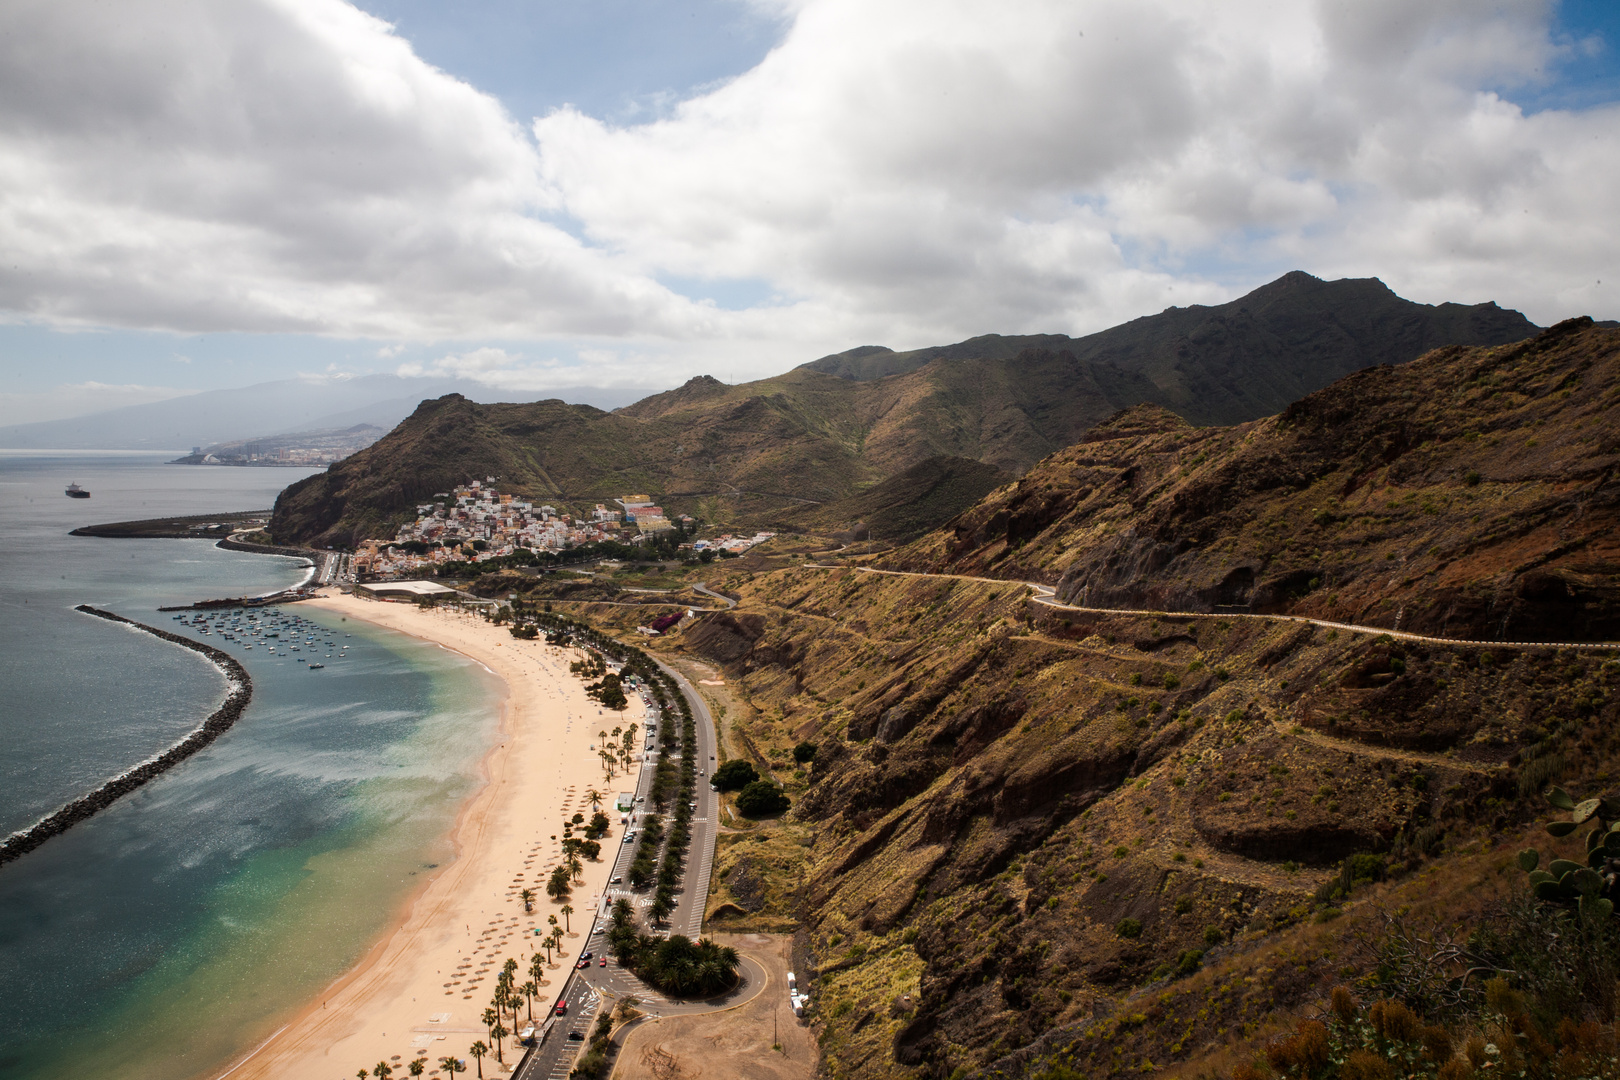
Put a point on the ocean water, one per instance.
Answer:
(171, 933)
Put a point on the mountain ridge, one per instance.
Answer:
(1006, 402)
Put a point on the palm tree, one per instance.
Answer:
(567, 910)
(490, 1019)
(509, 987)
(546, 942)
(362, 1074)
(530, 991)
(537, 970)
(478, 1050)
(595, 797)
(418, 1067)
(382, 1070)
(661, 907)
(452, 1065)
(576, 869)
(528, 899)
(499, 1032)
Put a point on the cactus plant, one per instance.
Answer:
(1590, 888)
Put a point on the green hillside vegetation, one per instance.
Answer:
(818, 433)
(914, 501)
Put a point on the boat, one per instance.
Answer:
(312, 667)
(74, 491)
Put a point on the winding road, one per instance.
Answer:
(1046, 596)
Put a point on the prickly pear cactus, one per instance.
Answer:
(1590, 887)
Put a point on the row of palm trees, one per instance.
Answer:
(510, 997)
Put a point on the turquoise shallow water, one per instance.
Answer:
(175, 930)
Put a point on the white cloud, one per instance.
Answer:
(594, 367)
(902, 172)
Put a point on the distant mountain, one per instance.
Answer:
(271, 408)
(833, 428)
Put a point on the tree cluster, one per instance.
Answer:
(675, 965)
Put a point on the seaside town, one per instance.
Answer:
(475, 522)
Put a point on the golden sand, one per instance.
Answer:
(420, 992)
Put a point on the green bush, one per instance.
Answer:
(1128, 928)
(804, 752)
(761, 799)
(735, 775)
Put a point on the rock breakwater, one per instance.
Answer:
(240, 692)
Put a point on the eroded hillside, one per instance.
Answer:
(1469, 494)
(1020, 818)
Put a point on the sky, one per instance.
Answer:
(538, 195)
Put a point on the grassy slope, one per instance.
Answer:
(908, 504)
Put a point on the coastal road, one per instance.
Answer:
(694, 896)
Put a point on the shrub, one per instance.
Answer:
(1212, 935)
(761, 799)
(735, 775)
(804, 752)
(1128, 928)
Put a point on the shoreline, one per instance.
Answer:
(421, 986)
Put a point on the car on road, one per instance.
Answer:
(602, 962)
(562, 1008)
(582, 964)
(574, 1036)
(616, 881)
(586, 955)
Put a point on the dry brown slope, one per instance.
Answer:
(997, 788)
(1471, 494)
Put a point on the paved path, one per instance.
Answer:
(703, 587)
(1046, 596)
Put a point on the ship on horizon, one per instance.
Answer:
(74, 491)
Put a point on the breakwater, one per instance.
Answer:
(239, 692)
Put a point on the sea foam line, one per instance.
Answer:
(239, 691)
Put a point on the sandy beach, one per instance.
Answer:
(420, 992)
